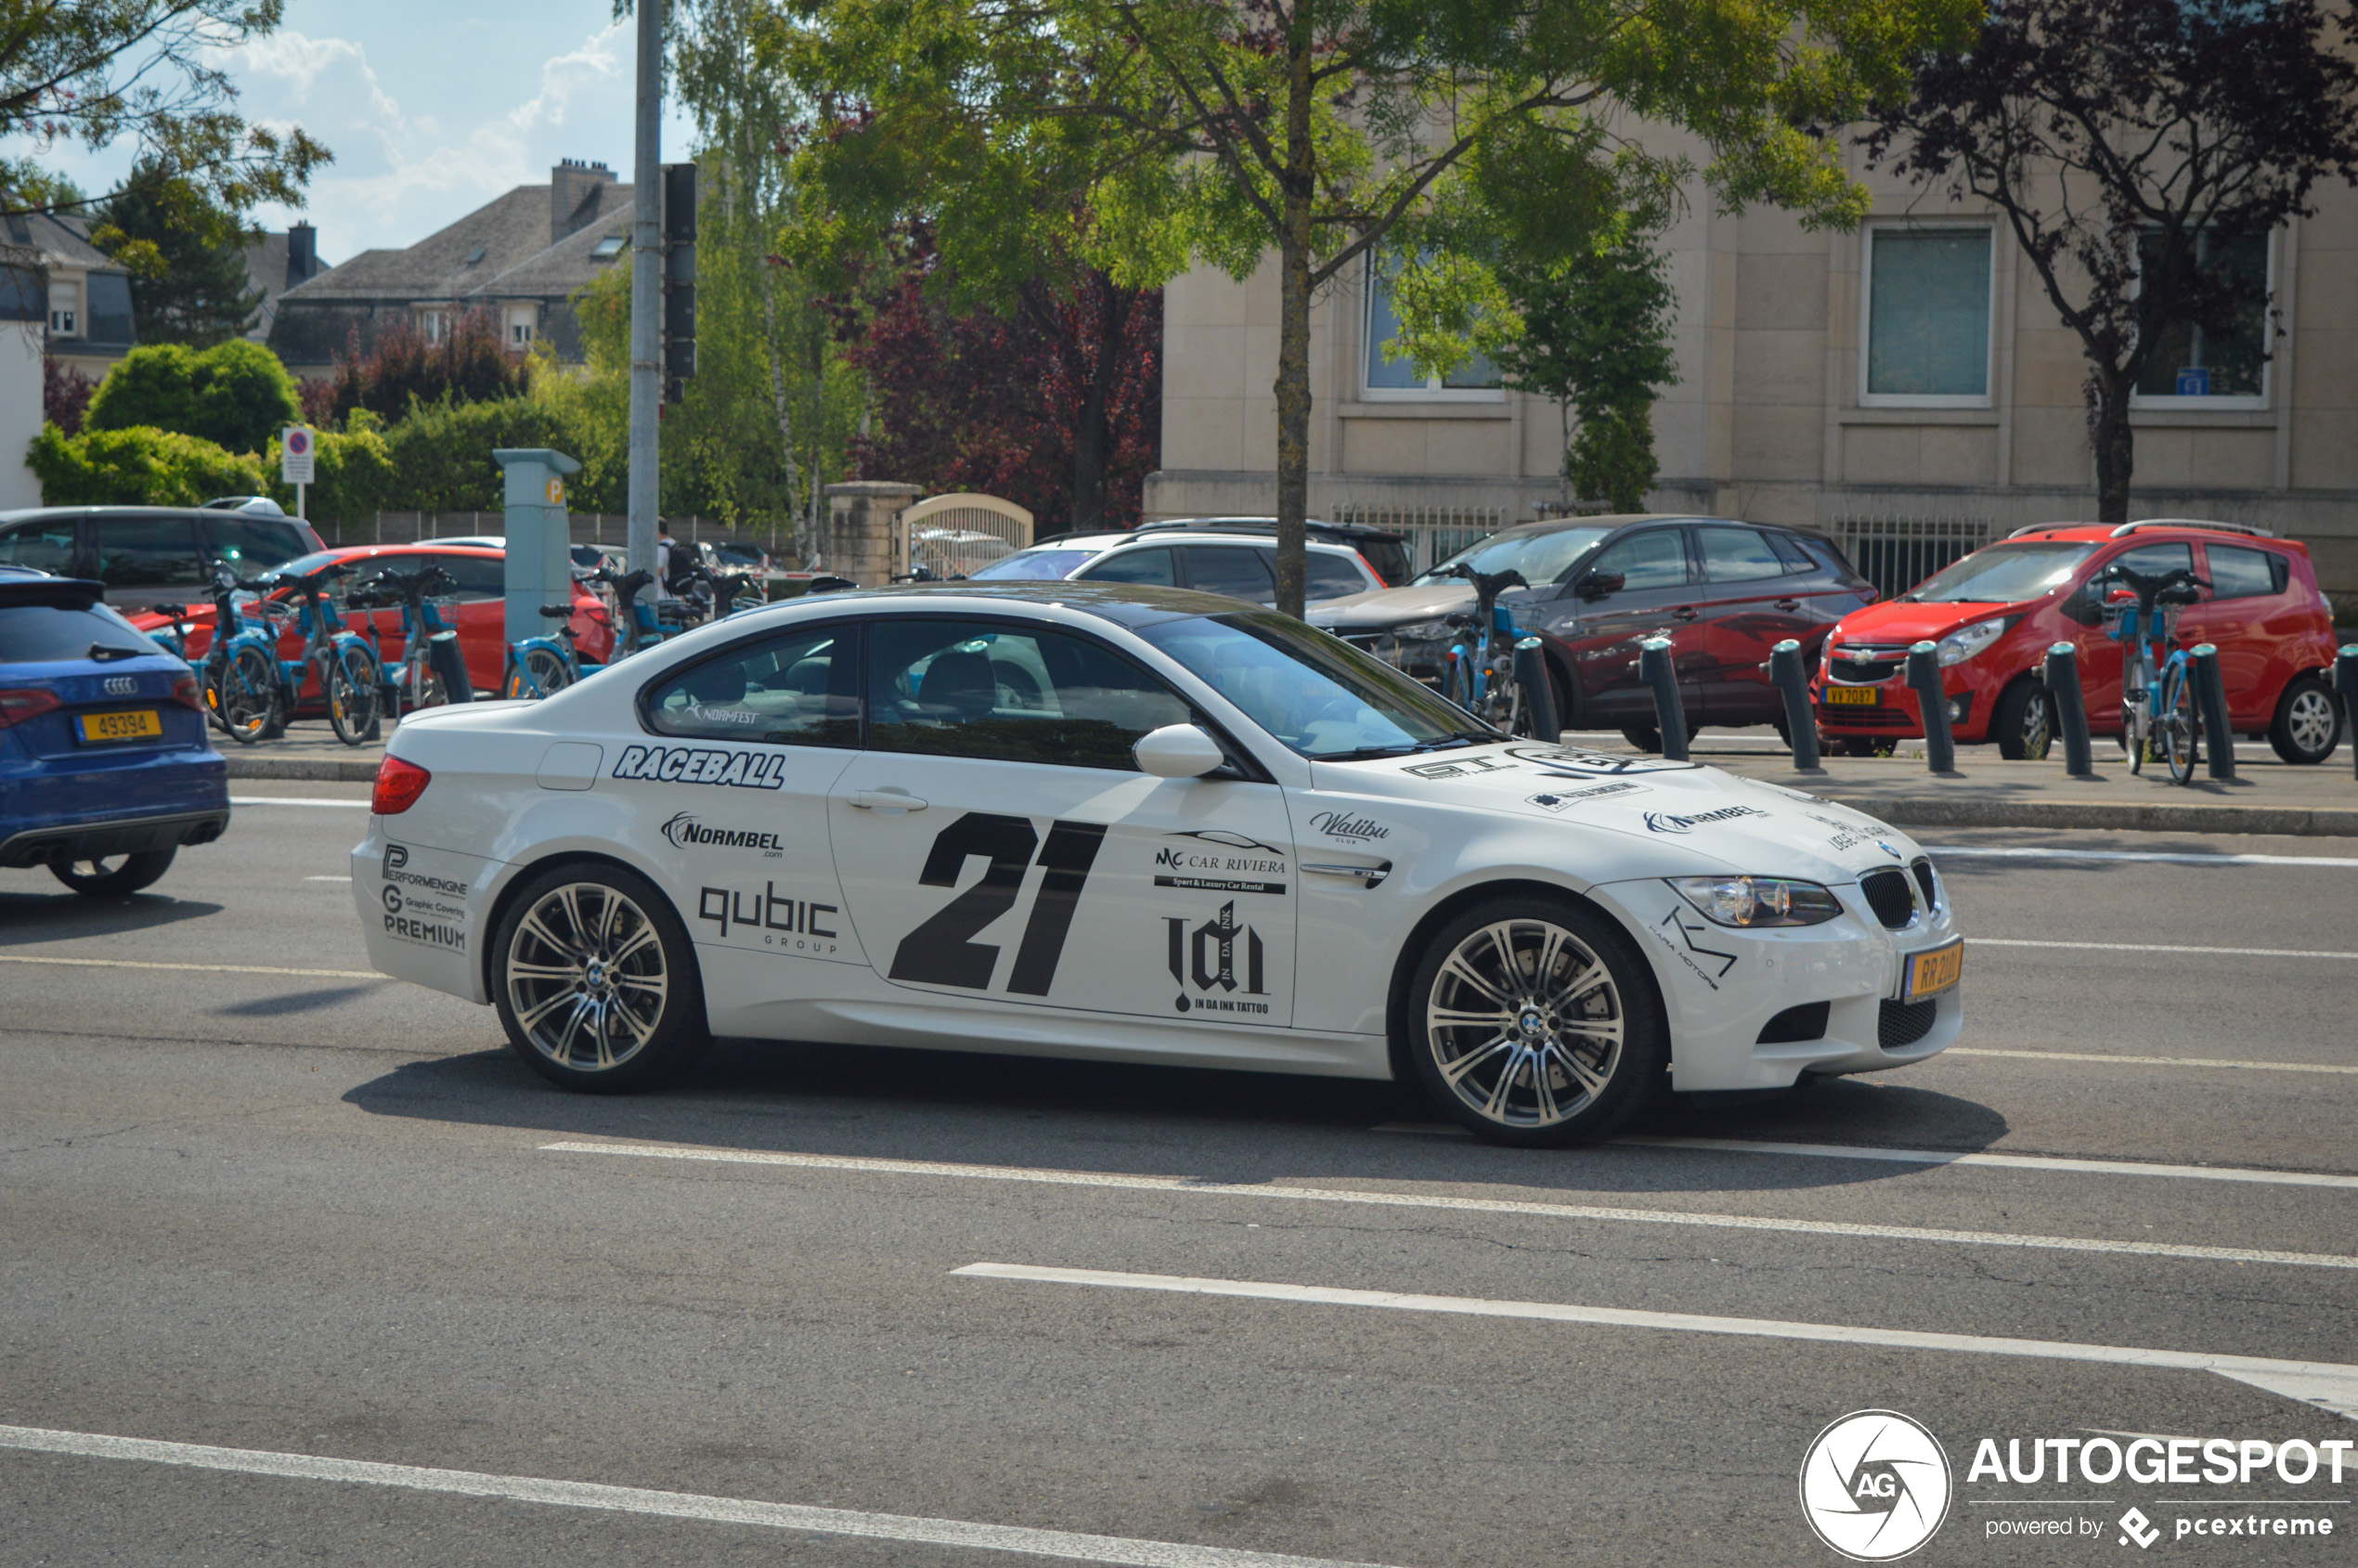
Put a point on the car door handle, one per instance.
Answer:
(1789, 605)
(885, 800)
(1684, 612)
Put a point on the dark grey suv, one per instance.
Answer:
(1723, 591)
(148, 553)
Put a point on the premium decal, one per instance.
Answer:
(685, 830)
(1206, 956)
(1342, 825)
(1727, 961)
(942, 950)
(1561, 801)
(1666, 822)
(787, 922)
(703, 765)
(1194, 868)
(1574, 762)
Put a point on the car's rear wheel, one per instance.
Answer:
(1868, 745)
(595, 981)
(2308, 725)
(1534, 1022)
(2024, 722)
(112, 875)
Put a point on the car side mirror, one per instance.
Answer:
(1593, 584)
(1178, 751)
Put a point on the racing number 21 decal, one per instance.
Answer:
(943, 951)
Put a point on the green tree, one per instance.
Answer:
(236, 394)
(141, 466)
(187, 257)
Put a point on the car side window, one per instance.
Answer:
(46, 546)
(2239, 572)
(801, 688)
(984, 689)
(1789, 550)
(145, 551)
(1737, 555)
(1656, 558)
(1151, 567)
(2155, 560)
(1329, 577)
(1240, 571)
(478, 577)
(255, 544)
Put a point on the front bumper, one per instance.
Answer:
(1897, 712)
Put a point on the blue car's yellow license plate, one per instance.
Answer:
(1931, 973)
(134, 724)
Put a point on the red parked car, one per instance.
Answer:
(1995, 613)
(481, 617)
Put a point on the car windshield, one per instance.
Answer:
(1313, 690)
(1541, 557)
(1036, 565)
(2005, 574)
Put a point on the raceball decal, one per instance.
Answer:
(1207, 957)
(1574, 763)
(1560, 802)
(942, 951)
(685, 830)
(1342, 825)
(786, 922)
(1689, 929)
(1875, 1486)
(703, 765)
(1220, 862)
(1463, 767)
(1664, 821)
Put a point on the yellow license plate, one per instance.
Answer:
(1932, 973)
(139, 724)
(1852, 696)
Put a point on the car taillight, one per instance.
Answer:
(185, 693)
(27, 703)
(398, 785)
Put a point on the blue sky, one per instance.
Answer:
(431, 106)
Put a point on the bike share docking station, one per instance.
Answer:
(540, 564)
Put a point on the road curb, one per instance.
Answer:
(337, 771)
(1936, 811)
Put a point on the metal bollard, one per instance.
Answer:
(1530, 674)
(2060, 675)
(1670, 715)
(442, 653)
(1785, 673)
(2346, 679)
(1924, 675)
(2211, 695)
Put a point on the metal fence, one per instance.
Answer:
(956, 536)
(1434, 533)
(1896, 553)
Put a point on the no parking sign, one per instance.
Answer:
(295, 442)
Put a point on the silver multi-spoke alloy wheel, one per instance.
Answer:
(1524, 1024)
(2310, 719)
(585, 976)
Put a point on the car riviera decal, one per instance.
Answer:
(1234, 840)
(685, 831)
(1561, 801)
(1463, 767)
(943, 951)
(786, 922)
(1342, 825)
(704, 765)
(1207, 956)
(1574, 763)
(1665, 821)
(1196, 863)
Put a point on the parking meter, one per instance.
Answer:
(539, 536)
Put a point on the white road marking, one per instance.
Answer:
(1282, 1193)
(2149, 1061)
(2155, 947)
(2011, 1161)
(207, 968)
(2172, 857)
(293, 800)
(1065, 1544)
(344, 878)
(2329, 1384)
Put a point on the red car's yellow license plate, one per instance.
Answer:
(1932, 973)
(137, 724)
(1852, 696)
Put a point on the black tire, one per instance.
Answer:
(352, 695)
(113, 876)
(2024, 721)
(597, 948)
(2308, 724)
(1530, 1036)
(1869, 746)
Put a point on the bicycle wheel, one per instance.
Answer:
(249, 695)
(541, 673)
(2179, 736)
(351, 694)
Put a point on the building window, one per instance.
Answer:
(1476, 378)
(522, 319)
(2222, 365)
(1927, 298)
(65, 309)
(432, 323)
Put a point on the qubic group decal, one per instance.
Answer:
(703, 765)
(1205, 957)
(786, 922)
(1875, 1486)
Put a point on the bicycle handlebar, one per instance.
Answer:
(2150, 589)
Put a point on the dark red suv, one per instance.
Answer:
(1994, 613)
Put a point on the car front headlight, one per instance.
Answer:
(1756, 902)
(1423, 632)
(1961, 646)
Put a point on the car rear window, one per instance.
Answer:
(1387, 559)
(46, 634)
(1737, 555)
(1331, 576)
(1238, 571)
(2239, 572)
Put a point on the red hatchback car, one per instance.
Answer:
(1995, 613)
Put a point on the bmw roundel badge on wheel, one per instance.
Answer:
(1132, 824)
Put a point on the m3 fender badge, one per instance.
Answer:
(702, 765)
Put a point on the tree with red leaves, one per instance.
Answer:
(65, 395)
(471, 363)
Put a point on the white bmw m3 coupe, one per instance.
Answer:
(1136, 825)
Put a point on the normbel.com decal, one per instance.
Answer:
(703, 765)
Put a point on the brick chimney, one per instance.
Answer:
(302, 252)
(573, 195)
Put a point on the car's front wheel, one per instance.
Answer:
(2024, 722)
(2307, 727)
(595, 981)
(1534, 1022)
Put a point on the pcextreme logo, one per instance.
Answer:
(1875, 1486)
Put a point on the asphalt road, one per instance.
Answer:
(255, 1202)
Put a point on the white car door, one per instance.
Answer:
(997, 841)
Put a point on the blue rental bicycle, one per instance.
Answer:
(540, 667)
(1478, 673)
(338, 663)
(241, 673)
(432, 670)
(172, 636)
(2159, 715)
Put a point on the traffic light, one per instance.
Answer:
(679, 279)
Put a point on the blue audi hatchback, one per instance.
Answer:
(105, 766)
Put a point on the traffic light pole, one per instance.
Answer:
(646, 292)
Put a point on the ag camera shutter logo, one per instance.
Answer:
(1875, 1486)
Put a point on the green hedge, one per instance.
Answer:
(141, 466)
